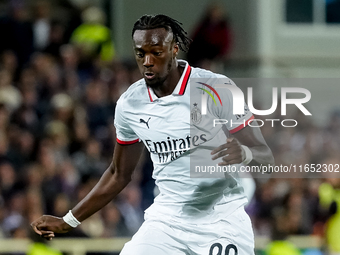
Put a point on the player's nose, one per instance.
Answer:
(148, 62)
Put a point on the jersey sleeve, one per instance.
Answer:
(124, 134)
(236, 122)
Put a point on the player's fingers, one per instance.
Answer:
(35, 228)
(48, 236)
(46, 232)
(220, 154)
(232, 157)
(230, 151)
(229, 144)
(235, 149)
(219, 148)
(230, 162)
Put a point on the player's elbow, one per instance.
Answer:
(122, 178)
(272, 160)
(264, 156)
(270, 157)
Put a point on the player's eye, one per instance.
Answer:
(157, 53)
(139, 54)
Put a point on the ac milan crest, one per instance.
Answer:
(196, 115)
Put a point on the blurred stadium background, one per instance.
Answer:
(63, 65)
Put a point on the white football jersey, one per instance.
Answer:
(179, 136)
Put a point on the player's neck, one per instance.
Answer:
(170, 83)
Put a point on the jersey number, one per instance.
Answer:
(219, 249)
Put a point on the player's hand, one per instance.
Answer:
(47, 225)
(231, 152)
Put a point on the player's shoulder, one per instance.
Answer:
(204, 73)
(135, 94)
(210, 77)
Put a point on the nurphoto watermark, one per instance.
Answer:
(221, 107)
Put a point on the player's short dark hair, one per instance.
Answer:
(162, 21)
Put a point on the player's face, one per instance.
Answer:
(155, 54)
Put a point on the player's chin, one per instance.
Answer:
(153, 83)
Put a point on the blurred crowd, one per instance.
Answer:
(58, 90)
(295, 205)
(59, 82)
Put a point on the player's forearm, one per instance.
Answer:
(108, 187)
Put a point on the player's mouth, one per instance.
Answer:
(149, 75)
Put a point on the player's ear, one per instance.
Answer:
(175, 49)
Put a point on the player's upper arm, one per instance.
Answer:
(250, 136)
(125, 134)
(125, 159)
(128, 149)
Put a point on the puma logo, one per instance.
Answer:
(145, 122)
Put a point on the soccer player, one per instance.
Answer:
(190, 215)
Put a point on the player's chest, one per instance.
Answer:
(159, 120)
